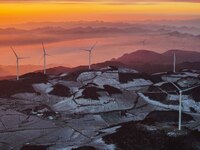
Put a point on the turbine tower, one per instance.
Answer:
(17, 61)
(180, 105)
(174, 68)
(90, 54)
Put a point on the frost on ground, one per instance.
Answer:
(76, 110)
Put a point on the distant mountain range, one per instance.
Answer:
(141, 60)
(180, 32)
(146, 61)
(146, 56)
(183, 26)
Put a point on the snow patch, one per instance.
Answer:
(111, 75)
(43, 88)
(126, 70)
(101, 81)
(63, 74)
(136, 83)
(156, 103)
(110, 130)
(102, 145)
(88, 76)
(160, 84)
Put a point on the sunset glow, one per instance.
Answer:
(13, 12)
(25, 24)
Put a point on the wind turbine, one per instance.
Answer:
(143, 42)
(90, 53)
(174, 68)
(180, 102)
(44, 55)
(17, 61)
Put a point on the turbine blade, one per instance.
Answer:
(50, 55)
(14, 52)
(190, 88)
(93, 46)
(85, 49)
(176, 86)
(43, 48)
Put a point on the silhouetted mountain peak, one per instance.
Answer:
(140, 56)
(143, 51)
(151, 57)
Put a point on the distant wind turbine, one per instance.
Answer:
(44, 57)
(17, 61)
(144, 42)
(90, 53)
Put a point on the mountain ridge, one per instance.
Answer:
(142, 60)
(152, 57)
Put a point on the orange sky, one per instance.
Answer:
(15, 12)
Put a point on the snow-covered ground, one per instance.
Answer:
(43, 88)
(177, 76)
(81, 121)
(104, 104)
(135, 83)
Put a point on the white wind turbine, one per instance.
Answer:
(44, 57)
(17, 61)
(90, 53)
(180, 101)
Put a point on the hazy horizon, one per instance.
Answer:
(119, 27)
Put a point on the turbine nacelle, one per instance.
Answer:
(44, 51)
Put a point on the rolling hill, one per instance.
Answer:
(151, 57)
